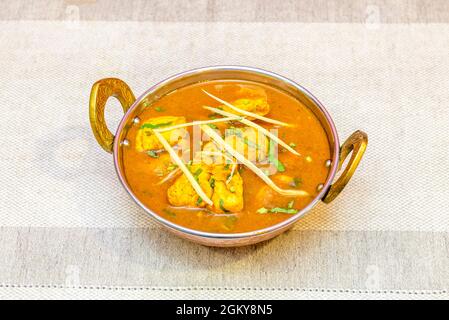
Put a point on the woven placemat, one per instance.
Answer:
(63, 207)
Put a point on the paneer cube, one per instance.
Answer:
(228, 197)
(182, 194)
(146, 140)
(259, 106)
(225, 193)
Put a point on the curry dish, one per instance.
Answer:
(226, 156)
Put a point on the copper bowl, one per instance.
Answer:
(105, 88)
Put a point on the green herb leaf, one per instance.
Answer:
(152, 154)
(159, 109)
(222, 206)
(212, 182)
(197, 173)
(288, 210)
(290, 204)
(169, 213)
(292, 144)
(273, 159)
(198, 202)
(278, 164)
(213, 126)
(155, 126)
(283, 210)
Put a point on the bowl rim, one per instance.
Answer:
(224, 236)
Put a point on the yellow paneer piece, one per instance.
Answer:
(259, 106)
(212, 176)
(228, 197)
(146, 140)
(249, 142)
(182, 194)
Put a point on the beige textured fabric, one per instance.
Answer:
(208, 293)
(59, 188)
(385, 11)
(295, 260)
(390, 82)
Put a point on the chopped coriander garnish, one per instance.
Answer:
(288, 210)
(283, 210)
(152, 154)
(197, 173)
(222, 206)
(198, 202)
(155, 126)
(212, 116)
(169, 213)
(213, 126)
(273, 159)
(292, 144)
(159, 109)
(278, 164)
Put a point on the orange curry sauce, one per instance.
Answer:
(309, 170)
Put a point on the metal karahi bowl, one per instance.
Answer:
(102, 90)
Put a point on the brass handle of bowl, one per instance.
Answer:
(356, 143)
(101, 91)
